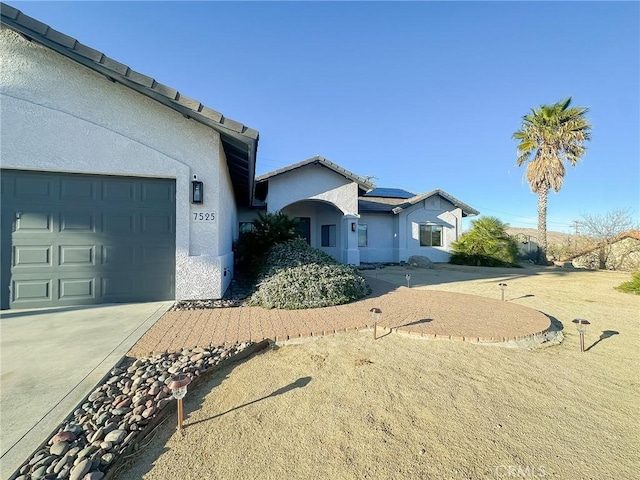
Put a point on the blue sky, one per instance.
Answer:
(420, 95)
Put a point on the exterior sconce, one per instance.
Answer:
(197, 195)
(178, 387)
(503, 287)
(375, 318)
(581, 325)
(353, 226)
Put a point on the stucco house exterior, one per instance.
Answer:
(97, 165)
(348, 217)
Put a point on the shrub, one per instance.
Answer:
(296, 275)
(632, 286)
(486, 244)
(309, 286)
(269, 229)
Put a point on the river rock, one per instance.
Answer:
(80, 470)
(93, 476)
(115, 436)
(59, 448)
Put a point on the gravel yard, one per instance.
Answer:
(346, 407)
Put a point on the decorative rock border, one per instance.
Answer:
(121, 411)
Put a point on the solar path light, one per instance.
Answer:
(503, 287)
(178, 387)
(581, 325)
(408, 277)
(375, 318)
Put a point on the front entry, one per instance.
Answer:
(304, 228)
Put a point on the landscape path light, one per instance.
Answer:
(408, 277)
(581, 325)
(375, 318)
(503, 287)
(178, 388)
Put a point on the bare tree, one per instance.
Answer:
(608, 231)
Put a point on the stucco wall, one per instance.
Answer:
(312, 182)
(433, 210)
(60, 116)
(380, 238)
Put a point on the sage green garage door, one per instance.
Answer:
(70, 239)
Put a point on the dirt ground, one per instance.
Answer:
(348, 407)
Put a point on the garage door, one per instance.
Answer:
(72, 239)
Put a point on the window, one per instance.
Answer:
(362, 235)
(328, 236)
(246, 227)
(430, 236)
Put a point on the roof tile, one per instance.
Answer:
(232, 125)
(61, 38)
(88, 52)
(140, 79)
(9, 11)
(31, 23)
(211, 114)
(172, 93)
(117, 67)
(190, 103)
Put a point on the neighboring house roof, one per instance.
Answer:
(240, 143)
(318, 160)
(383, 192)
(467, 211)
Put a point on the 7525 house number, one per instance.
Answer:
(204, 216)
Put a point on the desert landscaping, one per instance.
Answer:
(346, 406)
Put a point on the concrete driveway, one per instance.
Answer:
(51, 358)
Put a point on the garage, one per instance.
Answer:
(75, 239)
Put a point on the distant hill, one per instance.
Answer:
(552, 237)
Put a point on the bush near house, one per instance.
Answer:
(297, 276)
(486, 244)
(632, 286)
(269, 229)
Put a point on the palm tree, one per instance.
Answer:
(550, 135)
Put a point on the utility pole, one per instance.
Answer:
(576, 224)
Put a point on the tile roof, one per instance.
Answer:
(466, 209)
(319, 160)
(383, 192)
(240, 142)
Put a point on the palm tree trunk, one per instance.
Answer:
(542, 226)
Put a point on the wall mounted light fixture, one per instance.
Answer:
(353, 226)
(197, 195)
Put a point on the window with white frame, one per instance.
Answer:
(430, 235)
(362, 235)
(328, 235)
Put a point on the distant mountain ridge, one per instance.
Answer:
(557, 238)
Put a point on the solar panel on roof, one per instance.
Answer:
(389, 193)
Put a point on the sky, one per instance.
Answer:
(418, 95)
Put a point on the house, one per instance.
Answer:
(98, 166)
(348, 217)
(620, 253)
(116, 188)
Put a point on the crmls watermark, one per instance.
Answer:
(520, 471)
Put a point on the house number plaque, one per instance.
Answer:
(203, 216)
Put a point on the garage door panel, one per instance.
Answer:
(118, 256)
(77, 255)
(35, 189)
(34, 222)
(118, 191)
(29, 291)
(156, 193)
(157, 224)
(77, 288)
(74, 239)
(117, 223)
(79, 188)
(75, 222)
(25, 256)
